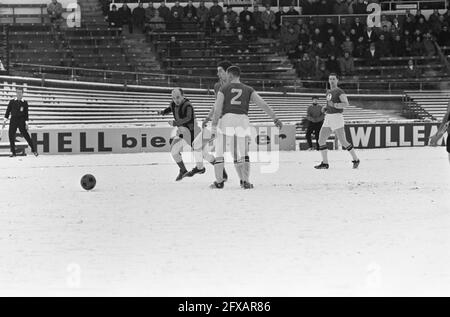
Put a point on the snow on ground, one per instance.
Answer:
(379, 230)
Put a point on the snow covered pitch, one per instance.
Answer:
(381, 230)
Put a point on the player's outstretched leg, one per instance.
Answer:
(219, 162)
(176, 149)
(325, 133)
(340, 133)
(198, 156)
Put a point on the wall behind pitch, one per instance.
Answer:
(384, 135)
(136, 140)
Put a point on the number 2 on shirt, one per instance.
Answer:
(234, 100)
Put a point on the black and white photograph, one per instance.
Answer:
(224, 149)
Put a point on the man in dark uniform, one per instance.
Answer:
(18, 109)
(187, 129)
(315, 118)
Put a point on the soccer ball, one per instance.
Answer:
(88, 182)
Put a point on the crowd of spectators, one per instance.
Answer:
(317, 46)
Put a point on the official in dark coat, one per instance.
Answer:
(18, 110)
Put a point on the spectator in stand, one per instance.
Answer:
(372, 56)
(358, 26)
(317, 36)
(370, 36)
(156, 23)
(347, 64)
(190, 8)
(150, 11)
(320, 51)
(241, 44)
(344, 25)
(202, 13)
(55, 11)
(407, 39)
(257, 18)
(333, 65)
(307, 7)
(341, 7)
(278, 16)
(396, 26)
(216, 34)
(353, 36)
(247, 23)
(164, 12)
(190, 22)
(139, 17)
(325, 7)
(398, 47)
(268, 20)
(177, 8)
(292, 11)
(385, 22)
(322, 73)
(174, 47)
(114, 19)
(428, 45)
(231, 15)
(434, 20)
(444, 36)
(419, 16)
(437, 26)
(212, 25)
(386, 33)
(417, 48)
(409, 24)
(244, 13)
(360, 7)
(360, 48)
(332, 48)
(105, 7)
(288, 38)
(411, 70)
(252, 34)
(347, 45)
(383, 46)
(125, 15)
(216, 11)
(227, 33)
(298, 52)
(327, 26)
(175, 22)
(306, 66)
(314, 117)
(422, 26)
(303, 37)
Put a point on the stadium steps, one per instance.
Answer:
(141, 54)
(433, 102)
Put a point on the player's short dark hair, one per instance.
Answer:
(333, 74)
(315, 97)
(19, 88)
(235, 71)
(224, 64)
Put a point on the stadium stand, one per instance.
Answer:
(69, 107)
(431, 104)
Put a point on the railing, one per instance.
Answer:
(264, 84)
(413, 5)
(336, 18)
(14, 11)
